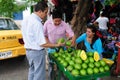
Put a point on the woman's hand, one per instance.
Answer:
(73, 41)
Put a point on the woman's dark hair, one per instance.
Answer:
(94, 30)
(42, 5)
(56, 14)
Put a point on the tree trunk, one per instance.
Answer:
(79, 20)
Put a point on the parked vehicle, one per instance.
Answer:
(11, 42)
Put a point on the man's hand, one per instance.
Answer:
(59, 44)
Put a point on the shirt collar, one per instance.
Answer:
(53, 22)
(37, 17)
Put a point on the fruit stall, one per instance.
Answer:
(77, 64)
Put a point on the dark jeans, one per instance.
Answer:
(103, 32)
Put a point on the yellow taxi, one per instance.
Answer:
(11, 42)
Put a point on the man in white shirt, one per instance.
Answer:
(102, 22)
(34, 39)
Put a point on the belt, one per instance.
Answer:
(34, 49)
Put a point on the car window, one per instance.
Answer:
(8, 24)
(2, 24)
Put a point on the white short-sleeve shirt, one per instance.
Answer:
(102, 22)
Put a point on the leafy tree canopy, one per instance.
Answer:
(8, 7)
(111, 2)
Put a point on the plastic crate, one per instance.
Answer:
(63, 70)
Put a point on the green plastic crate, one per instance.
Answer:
(63, 70)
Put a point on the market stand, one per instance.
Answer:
(62, 70)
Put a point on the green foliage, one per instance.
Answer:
(8, 7)
(36, 0)
(110, 2)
